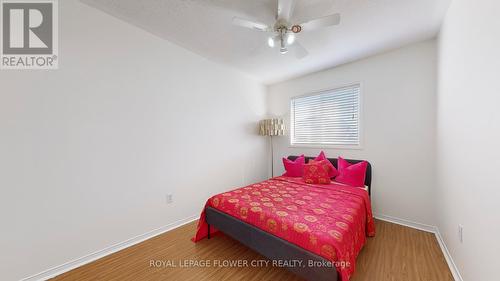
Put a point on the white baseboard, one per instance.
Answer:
(451, 264)
(428, 228)
(408, 223)
(57, 270)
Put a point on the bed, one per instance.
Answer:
(315, 231)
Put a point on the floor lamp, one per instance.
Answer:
(272, 128)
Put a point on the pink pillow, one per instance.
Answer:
(294, 168)
(317, 172)
(352, 174)
(333, 171)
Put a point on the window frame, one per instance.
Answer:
(359, 146)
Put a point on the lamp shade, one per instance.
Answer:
(272, 127)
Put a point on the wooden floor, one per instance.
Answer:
(396, 253)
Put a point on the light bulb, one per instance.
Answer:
(290, 38)
(283, 50)
(270, 42)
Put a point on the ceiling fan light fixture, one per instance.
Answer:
(282, 34)
(270, 42)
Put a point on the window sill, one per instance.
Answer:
(326, 146)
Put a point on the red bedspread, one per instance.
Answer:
(329, 220)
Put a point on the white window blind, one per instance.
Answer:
(327, 118)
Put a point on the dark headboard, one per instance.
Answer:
(368, 178)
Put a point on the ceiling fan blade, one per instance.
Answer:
(321, 22)
(299, 50)
(285, 9)
(250, 24)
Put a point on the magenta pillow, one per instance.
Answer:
(333, 171)
(351, 174)
(317, 172)
(294, 168)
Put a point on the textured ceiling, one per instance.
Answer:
(204, 26)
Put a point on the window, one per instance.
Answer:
(328, 118)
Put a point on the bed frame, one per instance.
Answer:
(273, 247)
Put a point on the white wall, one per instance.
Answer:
(468, 137)
(88, 152)
(398, 92)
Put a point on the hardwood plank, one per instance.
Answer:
(397, 253)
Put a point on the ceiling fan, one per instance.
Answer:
(282, 33)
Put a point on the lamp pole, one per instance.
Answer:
(272, 157)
